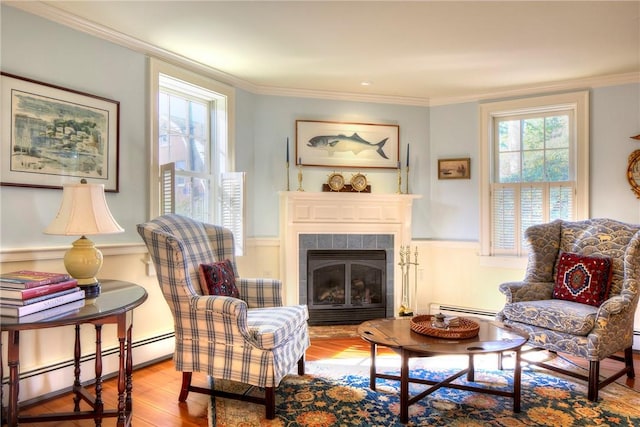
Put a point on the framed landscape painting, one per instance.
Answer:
(340, 144)
(454, 168)
(52, 136)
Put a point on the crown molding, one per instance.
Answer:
(341, 96)
(560, 86)
(61, 17)
(53, 14)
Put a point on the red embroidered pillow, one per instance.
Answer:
(583, 279)
(218, 278)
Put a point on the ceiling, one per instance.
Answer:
(422, 50)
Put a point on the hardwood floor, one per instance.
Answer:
(156, 387)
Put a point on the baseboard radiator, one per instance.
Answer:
(451, 310)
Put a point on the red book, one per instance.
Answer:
(26, 279)
(25, 294)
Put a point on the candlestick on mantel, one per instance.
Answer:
(407, 155)
(300, 174)
(407, 182)
(399, 178)
(288, 187)
(407, 177)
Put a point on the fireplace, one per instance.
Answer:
(346, 286)
(333, 220)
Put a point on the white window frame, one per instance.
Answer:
(578, 102)
(224, 128)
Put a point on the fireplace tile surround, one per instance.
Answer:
(331, 220)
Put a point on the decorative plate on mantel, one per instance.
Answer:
(359, 182)
(336, 181)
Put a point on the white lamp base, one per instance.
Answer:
(83, 262)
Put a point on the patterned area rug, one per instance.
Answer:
(336, 393)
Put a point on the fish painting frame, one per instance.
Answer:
(52, 136)
(347, 145)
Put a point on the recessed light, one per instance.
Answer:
(365, 83)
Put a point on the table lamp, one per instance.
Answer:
(84, 211)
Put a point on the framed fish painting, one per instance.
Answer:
(340, 144)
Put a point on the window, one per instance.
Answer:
(534, 167)
(192, 150)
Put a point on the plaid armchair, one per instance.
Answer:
(592, 332)
(253, 340)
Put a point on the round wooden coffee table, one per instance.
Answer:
(493, 337)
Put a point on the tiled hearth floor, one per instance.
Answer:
(333, 331)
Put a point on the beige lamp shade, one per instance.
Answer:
(84, 211)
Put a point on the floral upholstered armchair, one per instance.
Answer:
(579, 293)
(227, 327)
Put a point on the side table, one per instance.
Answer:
(114, 305)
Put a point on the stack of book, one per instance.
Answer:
(35, 295)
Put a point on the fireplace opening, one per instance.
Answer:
(346, 286)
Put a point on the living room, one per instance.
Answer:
(445, 225)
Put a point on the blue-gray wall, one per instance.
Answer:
(41, 50)
(36, 48)
(274, 121)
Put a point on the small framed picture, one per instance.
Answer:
(454, 168)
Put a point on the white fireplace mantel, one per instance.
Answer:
(339, 213)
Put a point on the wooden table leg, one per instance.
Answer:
(471, 375)
(129, 373)
(372, 369)
(13, 361)
(404, 387)
(99, 404)
(517, 378)
(77, 352)
(122, 338)
(3, 413)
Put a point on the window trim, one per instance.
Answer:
(157, 67)
(576, 101)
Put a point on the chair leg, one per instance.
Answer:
(270, 402)
(594, 376)
(628, 361)
(184, 389)
(301, 366)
